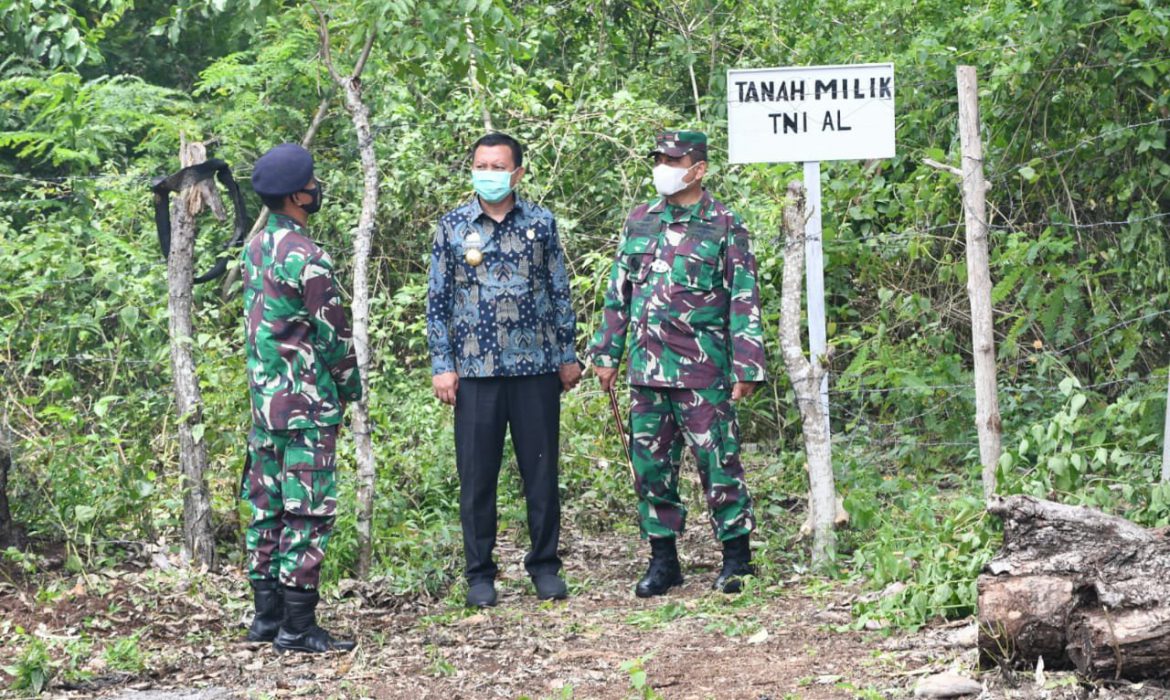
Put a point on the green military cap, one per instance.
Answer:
(679, 143)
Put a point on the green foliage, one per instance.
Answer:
(42, 661)
(1090, 456)
(77, 125)
(1075, 112)
(56, 32)
(639, 681)
(928, 549)
(656, 617)
(123, 654)
(439, 665)
(928, 546)
(33, 669)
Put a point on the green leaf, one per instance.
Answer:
(72, 38)
(129, 316)
(102, 407)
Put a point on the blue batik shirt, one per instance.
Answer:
(509, 316)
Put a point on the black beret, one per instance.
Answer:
(284, 169)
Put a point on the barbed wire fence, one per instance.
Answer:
(850, 404)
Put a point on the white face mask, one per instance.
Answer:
(669, 180)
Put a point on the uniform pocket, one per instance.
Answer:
(311, 449)
(699, 268)
(639, 256)
(310, 494)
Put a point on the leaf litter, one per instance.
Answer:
(791, 640)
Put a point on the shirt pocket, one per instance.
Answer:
(699, 268)
(639, 254)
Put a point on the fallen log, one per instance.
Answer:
(1078, 587)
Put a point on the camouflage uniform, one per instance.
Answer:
(683, 297)
(302, 371)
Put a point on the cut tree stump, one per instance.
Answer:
(1079, 588)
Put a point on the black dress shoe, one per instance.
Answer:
(268, 596)
(550, 587)
(299, 630)
(737, 558)
(481, 595)
(664, 571)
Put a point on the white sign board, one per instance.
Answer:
(792, 115)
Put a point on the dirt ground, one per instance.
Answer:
(789, 639)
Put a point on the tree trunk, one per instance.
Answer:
(198, 543)
(10, 535)
(360, 114)
(987, 421)
(361, 320)
(473, 77)
(806, 381)
(1166, 436)
(1077, 587)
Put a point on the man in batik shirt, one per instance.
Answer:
(501, 332)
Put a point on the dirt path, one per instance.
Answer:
(782, 639)
(691, 644)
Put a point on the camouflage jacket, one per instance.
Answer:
(510, 315)
(683, 297)
(301, 362)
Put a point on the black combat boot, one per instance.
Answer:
(664, 570)
(268, 596)
(737, 563)
(299, 631)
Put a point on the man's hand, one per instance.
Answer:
(742, 390)
(606, 375)
(445, 385)
(570, 374)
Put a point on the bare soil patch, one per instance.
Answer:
(788, 638)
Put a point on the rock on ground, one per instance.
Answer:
(947, 685)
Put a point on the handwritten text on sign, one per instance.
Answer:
(788, 115)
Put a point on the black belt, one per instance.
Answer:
(162, 187)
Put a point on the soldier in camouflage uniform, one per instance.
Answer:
(683, 298)
(302, 372)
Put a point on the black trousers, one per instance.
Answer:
(530, 407)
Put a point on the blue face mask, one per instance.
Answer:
(492, 185)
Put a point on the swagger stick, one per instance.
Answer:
(617, 419)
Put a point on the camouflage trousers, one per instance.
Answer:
(291, 487)
(661, 420)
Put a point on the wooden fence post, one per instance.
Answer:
(1166, 437)
(987, 419)
(198, 543)
(9, 533)
(974, 188)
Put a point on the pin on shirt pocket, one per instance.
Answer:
(639, 255)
